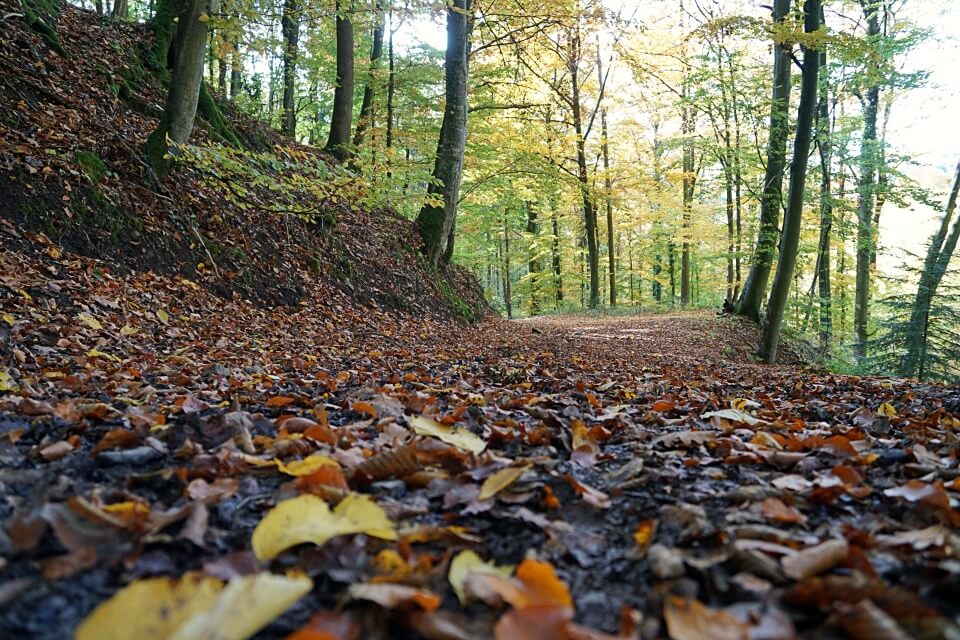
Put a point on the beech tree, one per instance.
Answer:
(338, 143)
(438, 215)
(798, 176)
(189, 50)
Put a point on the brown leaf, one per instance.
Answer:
(866, 621)
(689, 619)
(774, 509)
(816, 559)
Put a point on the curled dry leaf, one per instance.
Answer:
(500, 481)
(392, 596)
(460, 438)
(774, 509)
(689, 619)
(307, 518)
(467, 562)
(930, 494)
(814, 560)
(195, 607)
(395, 463)
(534, 584)
(306, 466)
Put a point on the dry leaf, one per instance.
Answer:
(307, 518)
(307, 466)
(194, 607)
(392, 596)
(500, 481)
(816, 559)
(460, 438)
(689, 619)
(467, 562)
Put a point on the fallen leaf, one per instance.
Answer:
(90, 321)
(467, 562)
(460, 438)
(306, 466)
(500, 481)
(307, 518)
(392, 596)
(774, 509)
(195, 607)
(814, 560)
(689, 619)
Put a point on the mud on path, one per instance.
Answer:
(674, 487)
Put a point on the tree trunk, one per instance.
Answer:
(555, 250)
(436, 223)
(798, 174)
(183, 95)
(236, 67)
(608, 198)
(771, 202)
(119, 9)
(824, 143)
(391, 85)
(533, 261)
(340, 122)
(934, 267)
(868, 169)
(376, 52)
(507, 294)
(290, 28)
(689, 184)
(589, 208)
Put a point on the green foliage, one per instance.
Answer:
(92, 166)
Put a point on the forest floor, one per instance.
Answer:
(645, 477)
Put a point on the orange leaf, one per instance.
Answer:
(327, 475)
(692, 620)
(117, 438)
(280, 401)
(364, 407)
(775, 509)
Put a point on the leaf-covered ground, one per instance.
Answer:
(360, 473)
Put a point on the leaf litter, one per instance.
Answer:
(418, 478)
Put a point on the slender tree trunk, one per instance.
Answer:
(340, 121)
(555, 250)
(608, 198)
(793, 219)
(533, 262)
(180, 108)
(589, 208)
(824, 142)
(290, 27)
(391, 84)
(436, 223)
(755, 286)
(689, 184)
(866, 234)
(366, 108)
(236, 66)
(935, 266)
(507, 293)
(120, 9)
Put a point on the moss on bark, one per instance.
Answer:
(39, 15)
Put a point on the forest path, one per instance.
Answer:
(642, 471)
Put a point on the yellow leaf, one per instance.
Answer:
(96, 353)
(6, 382)
(128, 330)
(89, 320)
(467, 562)
(306, 466)
(886, 410)
(153, 608)
(163, 316)
(245, 606)
(9, 319)
(194, 607)
(460, 438)
(307, 518)
(500, 481)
